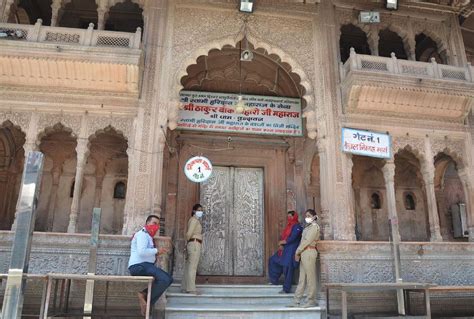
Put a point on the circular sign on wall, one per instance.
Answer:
(198, 169)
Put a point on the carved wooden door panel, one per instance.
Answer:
(247, 222)
(233, 232)
(217, 202)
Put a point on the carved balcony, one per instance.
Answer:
(83, 61)
(406, 89)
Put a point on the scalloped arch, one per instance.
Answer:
(402, 33)
(108, 129)
(231, 41)
(11, 122)
(57, 127)
(433, 35)
(455, 157)
(419, 154)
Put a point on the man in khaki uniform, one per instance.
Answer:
(193, 250)
(307, 253)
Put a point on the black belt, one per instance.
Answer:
(195, 239)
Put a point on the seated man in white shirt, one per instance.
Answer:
(142, 261)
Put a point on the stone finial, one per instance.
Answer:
(91, 26)
(39, 22)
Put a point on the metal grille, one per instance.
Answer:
(372, 65)
(15, 33)
(407, 69)
(113, 41)
(62, 37)
(452, 74)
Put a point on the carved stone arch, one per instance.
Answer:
(12, 139)
(9, 123)
(413, 145)
(107, 130)
(457, 158)
(19, 120)
(141, 3)
(47, 121)
(57, 127)
(347, 17)
(401, 32)
(309, 112)
(122, 125)
(441, 43)
(441, 162)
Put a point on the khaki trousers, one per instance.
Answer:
(307, 276)
(193, 253)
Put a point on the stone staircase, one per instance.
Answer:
(235, 301)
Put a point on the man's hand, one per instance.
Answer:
(282, 242)
(297, 257)
(162, 251)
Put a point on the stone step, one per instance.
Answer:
(213, 311)
(235, 301)
(231, 289)
(230, 299)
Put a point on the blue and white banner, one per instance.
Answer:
(215, 112)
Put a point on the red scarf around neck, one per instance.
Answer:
(292, 220)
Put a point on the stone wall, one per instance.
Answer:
(371, 262)
(68, 253)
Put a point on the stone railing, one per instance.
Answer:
(70, 36)
(425, 70)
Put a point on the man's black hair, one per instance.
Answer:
(150, 217)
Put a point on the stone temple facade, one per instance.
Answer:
(95, 85)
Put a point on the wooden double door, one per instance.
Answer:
(233, 223)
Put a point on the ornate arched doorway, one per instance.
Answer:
(256, 178)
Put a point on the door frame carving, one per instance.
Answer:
(266, 153)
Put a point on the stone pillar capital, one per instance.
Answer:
(389, 172)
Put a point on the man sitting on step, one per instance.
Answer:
(142, 261)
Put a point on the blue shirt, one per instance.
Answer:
(142, 249)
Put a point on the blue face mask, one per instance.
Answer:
(198, 213)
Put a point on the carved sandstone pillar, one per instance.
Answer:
(102, 14)
(411, 49)
(55, 7)
(324, 182)
(433, 216)
(6, 13)
(56, 174)
(157, 197)
(389, 178)
(81, 151)
(466, 181)
(373, 41)
(351, 219)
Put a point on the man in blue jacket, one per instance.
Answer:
(142, 260)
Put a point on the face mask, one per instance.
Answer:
(198, 213)
(152, 229)
(308, 220)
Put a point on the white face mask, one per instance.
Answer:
(199, 213)
(308, 220)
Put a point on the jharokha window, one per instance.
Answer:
(119, 190)
(375, 201)
(409, 200)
